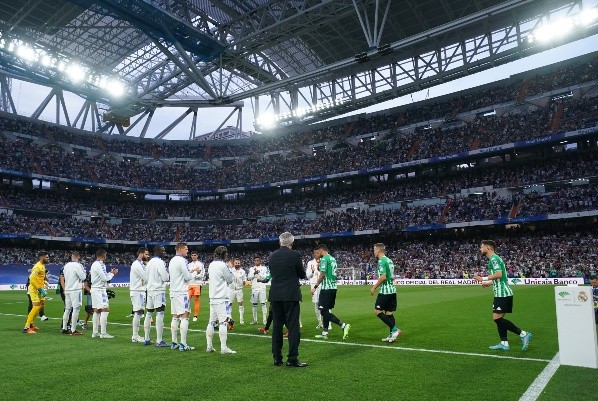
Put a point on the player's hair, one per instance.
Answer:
(141, 250)
(220, 252)
(489, 243)
(75, 253)
(100, 253)
(194, 253)
(593, 277)
(180, 245)
(380, 246)
(286, 239)
(42, 253)
(322, 247)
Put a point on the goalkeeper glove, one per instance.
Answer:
(42, 292)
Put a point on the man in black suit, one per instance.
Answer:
(286, 269)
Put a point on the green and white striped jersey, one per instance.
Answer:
(387, 267)
(500, 286)
(328, 266)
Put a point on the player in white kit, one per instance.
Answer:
(99, 298)
(313, 272)
(138, 287)
(220, 277)
(258, 289)
(74, 274)
(180, 276)
(196, 282)
(236, 288)
(157, 277)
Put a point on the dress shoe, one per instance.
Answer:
(296, 364)
(278, 362)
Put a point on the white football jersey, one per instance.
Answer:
(74, 274)
(157, 275)
(138, 277)
(99, 276)
(312, 272)
(239, 278)
(198, 277)
(180, 275)
(262, 272)
(219, 277)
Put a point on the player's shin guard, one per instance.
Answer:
(103, 322)
(223, 334)
(510, 326)
(210, 335)
(136, 323)
(147, 325)
(159, 326)
(96, 323)
(502, 329)
(173, 329)
(386, 320)
(196, 306)
(32, 315)
(241, 314)
(65, 318)
(75, 318)
(184, 328)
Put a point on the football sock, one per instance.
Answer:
(103, 322)
(147, 325)
(159, 326)
(385, 320)
(74, 318)
(223, 334)
(264, 312)
(136, 323)
(196, 307)
(210, 334)
(31, 316)
(65, 318)
(183, 329)
(96, 322)
(173, 329)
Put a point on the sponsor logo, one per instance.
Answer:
(516, 281)
(564, 294)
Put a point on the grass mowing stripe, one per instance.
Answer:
(535, 389)
(350, 344)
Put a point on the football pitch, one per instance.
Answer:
(442, 355)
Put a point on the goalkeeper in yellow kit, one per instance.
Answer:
(37, 292)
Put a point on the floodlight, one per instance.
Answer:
(75, 73)
(587, 17)
(267, 120)
(115, 88)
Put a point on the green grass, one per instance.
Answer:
(52, 366)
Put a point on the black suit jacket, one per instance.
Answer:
(286, 269)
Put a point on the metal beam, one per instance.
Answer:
(173, 124)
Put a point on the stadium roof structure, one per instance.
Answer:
(297, 62)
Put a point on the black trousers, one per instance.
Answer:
(285, 313)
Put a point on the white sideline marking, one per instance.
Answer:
(433, 351)
(535, 389)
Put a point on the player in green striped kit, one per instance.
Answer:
(503, 298)
(386, 302)
(327, 298)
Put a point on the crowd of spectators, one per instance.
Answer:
(538, 254)
(24, 155)
(558, 167)
(489, 206)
